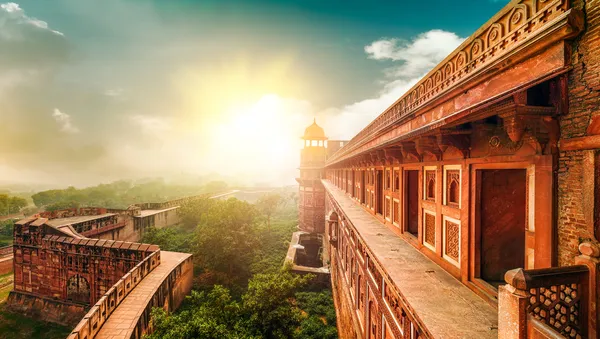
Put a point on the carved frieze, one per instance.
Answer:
(517, 25)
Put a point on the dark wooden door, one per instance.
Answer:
(503, 215)
(412, 202)
(363, 187)
(379, 192)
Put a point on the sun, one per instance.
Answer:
(264, 132)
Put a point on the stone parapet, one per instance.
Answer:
(393, 287)
(91, 323)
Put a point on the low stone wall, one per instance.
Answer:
(91, 323)
(6, 260)
(54, 311)
(6, 265)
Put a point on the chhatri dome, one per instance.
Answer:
(314, 131)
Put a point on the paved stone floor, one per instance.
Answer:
(448, 308)
(122, 322)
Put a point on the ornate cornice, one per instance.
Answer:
(516, 27)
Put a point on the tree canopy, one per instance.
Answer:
(255, 295)
(266, 310)
(121, 194)
(268, 204)
(11, 204)
(226, 237)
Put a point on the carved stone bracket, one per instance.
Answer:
(458, 140)
(536, 119)
(428, 145)
(408, 149)
(393, 155)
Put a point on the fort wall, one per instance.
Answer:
(580, 130)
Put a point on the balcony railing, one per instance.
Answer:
(545, 303)
(91, 323)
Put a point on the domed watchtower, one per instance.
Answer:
(311, 203)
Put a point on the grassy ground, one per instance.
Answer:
(5, 240)
(15, 326)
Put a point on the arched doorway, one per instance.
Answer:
(78, 289)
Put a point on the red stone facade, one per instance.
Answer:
(490, 168)
(76, 270)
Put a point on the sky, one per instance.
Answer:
(95, 91)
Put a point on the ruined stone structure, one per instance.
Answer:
(469, 208)
(64, 277)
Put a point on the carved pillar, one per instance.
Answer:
(590, 256)
(512, 307)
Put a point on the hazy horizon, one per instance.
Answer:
(94, 92)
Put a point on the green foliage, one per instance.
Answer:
(168, 239)
(272, 246)
(266, 310)
(210, 315)
(6, 233)
(191, 212)
(230, 245)
(11, 204)
(226, 238)
(313, 327)
(121, 194)
(6, 227)
(268, 204)
(16, 326)
(320, 321)
(62, 205)
(269, 303)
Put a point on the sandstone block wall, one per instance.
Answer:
(582, 119)
(55, 311)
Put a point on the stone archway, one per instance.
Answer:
(78, 289)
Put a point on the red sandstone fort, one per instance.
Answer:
(470, 208)
(83, 267)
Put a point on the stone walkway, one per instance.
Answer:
(122, 321)
(446, 307)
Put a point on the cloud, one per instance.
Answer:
(11, 13)
(29, 49)
(416, 56)
(64, 122)
(150, 124)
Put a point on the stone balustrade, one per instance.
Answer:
(91, 323)
(544, 303)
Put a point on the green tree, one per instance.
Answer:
(269, 303)
(168, 239)
(226, 237)
(192, 211)
(16, 204)
(11, 204)
(62, 205)
(210, 315)
(268, 204)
